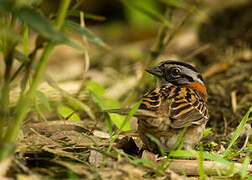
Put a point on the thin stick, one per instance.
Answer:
(85, 42)
(234, 101)
(190, 167)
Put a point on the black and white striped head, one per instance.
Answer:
(176, 73)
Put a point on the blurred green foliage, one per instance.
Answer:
(140, 13)
(97, 91)
(16, 18)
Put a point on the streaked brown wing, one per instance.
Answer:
(151, 100)
(157, 102)
(187, 111)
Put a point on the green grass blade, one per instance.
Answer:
(201, 161)
(207, 155)
(244, 168)
(213, 157)
(231, 169)
(44, 100)
(98, 100)
(144, 161)
(131, 114)
(119, 121)
(157, 142)
(179, 140)
(237, 132)
(109, 125)
(25, 39)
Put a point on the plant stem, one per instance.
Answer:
(62, 12)
(154, 53)
(159, 43)
(8, 54)
(25, 101)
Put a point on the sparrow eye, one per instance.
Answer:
(175, 72)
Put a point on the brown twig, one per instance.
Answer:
(174, 32)
(4, 167)
(234, 101)
(159, 43)
(191, 167)
(197, 51)
(217, 68)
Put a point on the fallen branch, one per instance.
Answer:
(191, 167)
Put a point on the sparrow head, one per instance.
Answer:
(179, 74)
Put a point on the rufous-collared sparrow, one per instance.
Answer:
(178, 101)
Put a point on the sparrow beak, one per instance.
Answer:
(155, 70)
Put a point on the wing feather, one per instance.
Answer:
(189, 111)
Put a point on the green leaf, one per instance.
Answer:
(67, 112)
(237, 132)
(207, 132)
(43, 26)
(139, 19)
(95, 87)
(118, 120)
(111, 103)
(83, 31)
(149, 12)
(43, 100)
(144, 161)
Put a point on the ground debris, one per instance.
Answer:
(122, 171)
